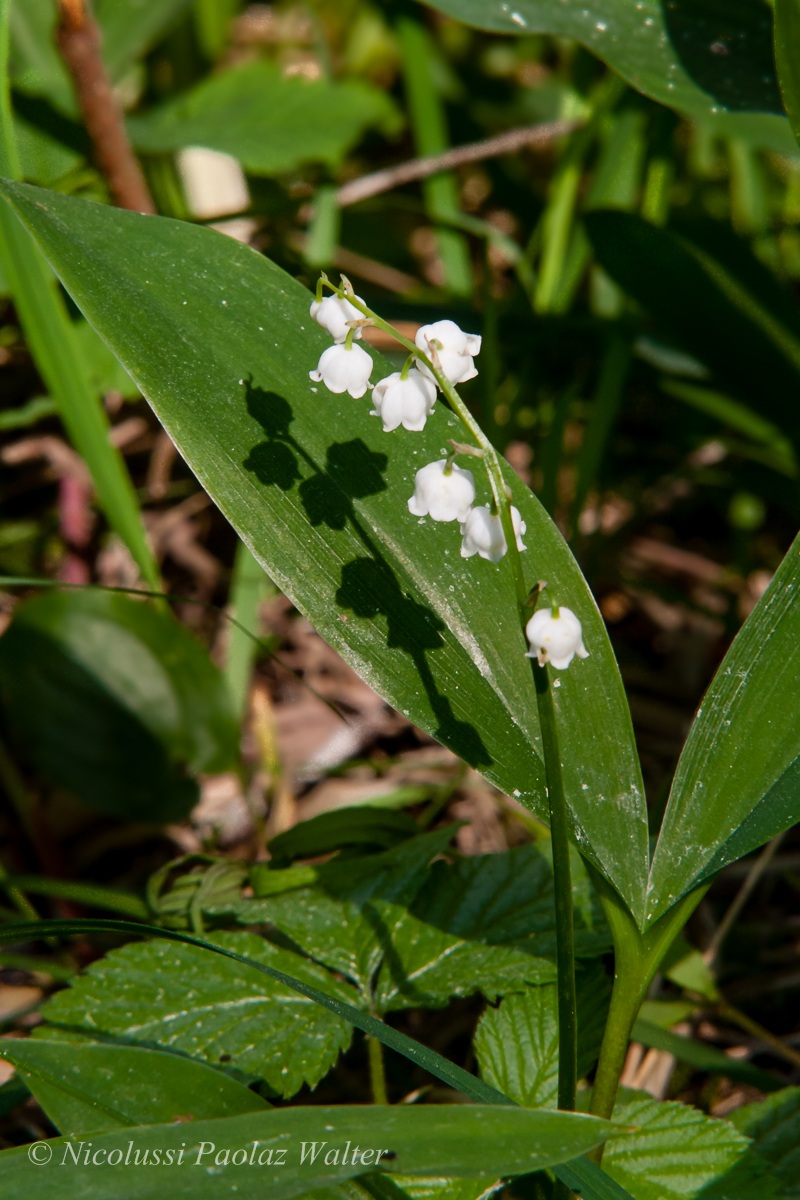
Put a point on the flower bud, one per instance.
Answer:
(451, 348)
(555, 638)
(446, 496)
(344, 369)
(333, 313)
(482, 533)
(407, 402)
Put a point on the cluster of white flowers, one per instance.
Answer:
(442, 490)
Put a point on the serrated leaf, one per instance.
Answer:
(483, 924)
(516, 1044)
(421, 1140)
(738, 779)
(709, 60)
(342, 921)
(578, 1173)
(158, 994)
(220, 342)
(269, 121)
(112, 698)
(479, 924)
(674, 1151)
(774, 1126)
(86, 1088)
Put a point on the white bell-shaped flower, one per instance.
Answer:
(454, 349)
(333, 314)
(344, 369)
(407, 402)
(482, 533)
(555, 638)
(445, 495)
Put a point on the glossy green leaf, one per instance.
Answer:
(319, 1147)
(707, 289)
(161, 995)
(673, 1152)
(704, 58)
(480, 924)
(220, 342)
(131, 27)
(738, 779)
(774, 1126)
(269, 121)
(358, 825)
(113, 699)
(335, 920)
(484, 924)
(85, 1088)
(516, 1044)
(787, 58)
(578, 1173)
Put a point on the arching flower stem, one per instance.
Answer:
(501, 501)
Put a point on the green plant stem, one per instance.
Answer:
(562, 884)
(124, 903)
(377, 1073)
(637, 956)
(490, 456)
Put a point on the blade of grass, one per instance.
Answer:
(249, 587)
(430, 137)
(48, 330)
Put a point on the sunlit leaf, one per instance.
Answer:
(701, 57)
(221, 343)
(738, 779)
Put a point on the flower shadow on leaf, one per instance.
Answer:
(369, 586)
(370, 589)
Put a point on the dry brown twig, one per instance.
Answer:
(422, 168)
(79, 41)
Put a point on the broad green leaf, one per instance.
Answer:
(738, 779)
(161, 995)
(577, 1173)
(131, 27)
(516, 1044)
(673, 1152)
(774, 1126)
(269, 121)
(336, 921)
(318, 1145)
(707, 289)
(359, 825)
(87, 1088)
(434, 1188)
(787, 58)
(112, 699)
(481, 924)
(406, 1187)
(703, 58)
(220, 342)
